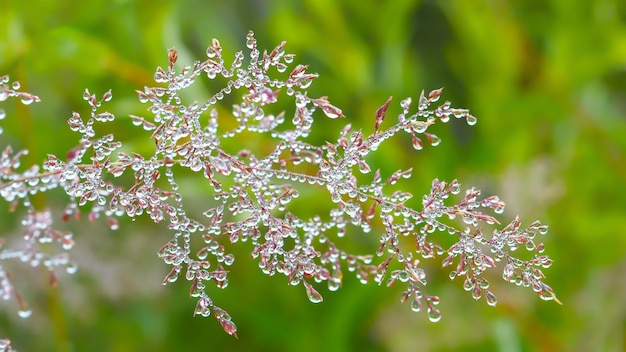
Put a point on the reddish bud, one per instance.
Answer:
(380, 114)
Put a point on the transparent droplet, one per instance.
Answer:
(24, 313)
(250, 42)
(491, 298)
(471, 120)
(334, 284)
(468, 284)
(229, 259)
(314, 296)
(16, 85)
(416, 304)
(305, 83)
(27, 99)
(71, 269)
(434, 314)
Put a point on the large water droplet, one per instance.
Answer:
(434, 314)
(491, 298)
(334, 284)
(314, 296)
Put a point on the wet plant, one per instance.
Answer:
(251, 189)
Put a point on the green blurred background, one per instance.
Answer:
(546, 79)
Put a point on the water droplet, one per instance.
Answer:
(468, 284)
(416, 304)
(305, 83)
(476, 292)
(229, 259)
(27, 99)
(71, 269)
(334, 284)
(491, 298)
(471, 120)
(250, 43)
(314, 296)
(281, 67)
(16, 85)
(434, 314)
(24, 313)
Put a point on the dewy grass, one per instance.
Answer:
(252, 190)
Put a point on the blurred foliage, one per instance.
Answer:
(547, 80)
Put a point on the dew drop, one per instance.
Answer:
(491, 298)
(250, 42)
(416, 304)
(281, 67)
(27, 99)
(314, 296)
(471, 120)
(434, 314)
(24, 313)
(305, 83)
(229, 259)
(334, 284)
(71, 269)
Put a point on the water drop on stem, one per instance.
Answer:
(314, 296)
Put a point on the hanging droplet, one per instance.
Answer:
(434, 314)
(24, 313)
(417, 143)
(71, 268)
(27, 99)
(334, 284)
(416, 304)
(491, 298)
(314, 296)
